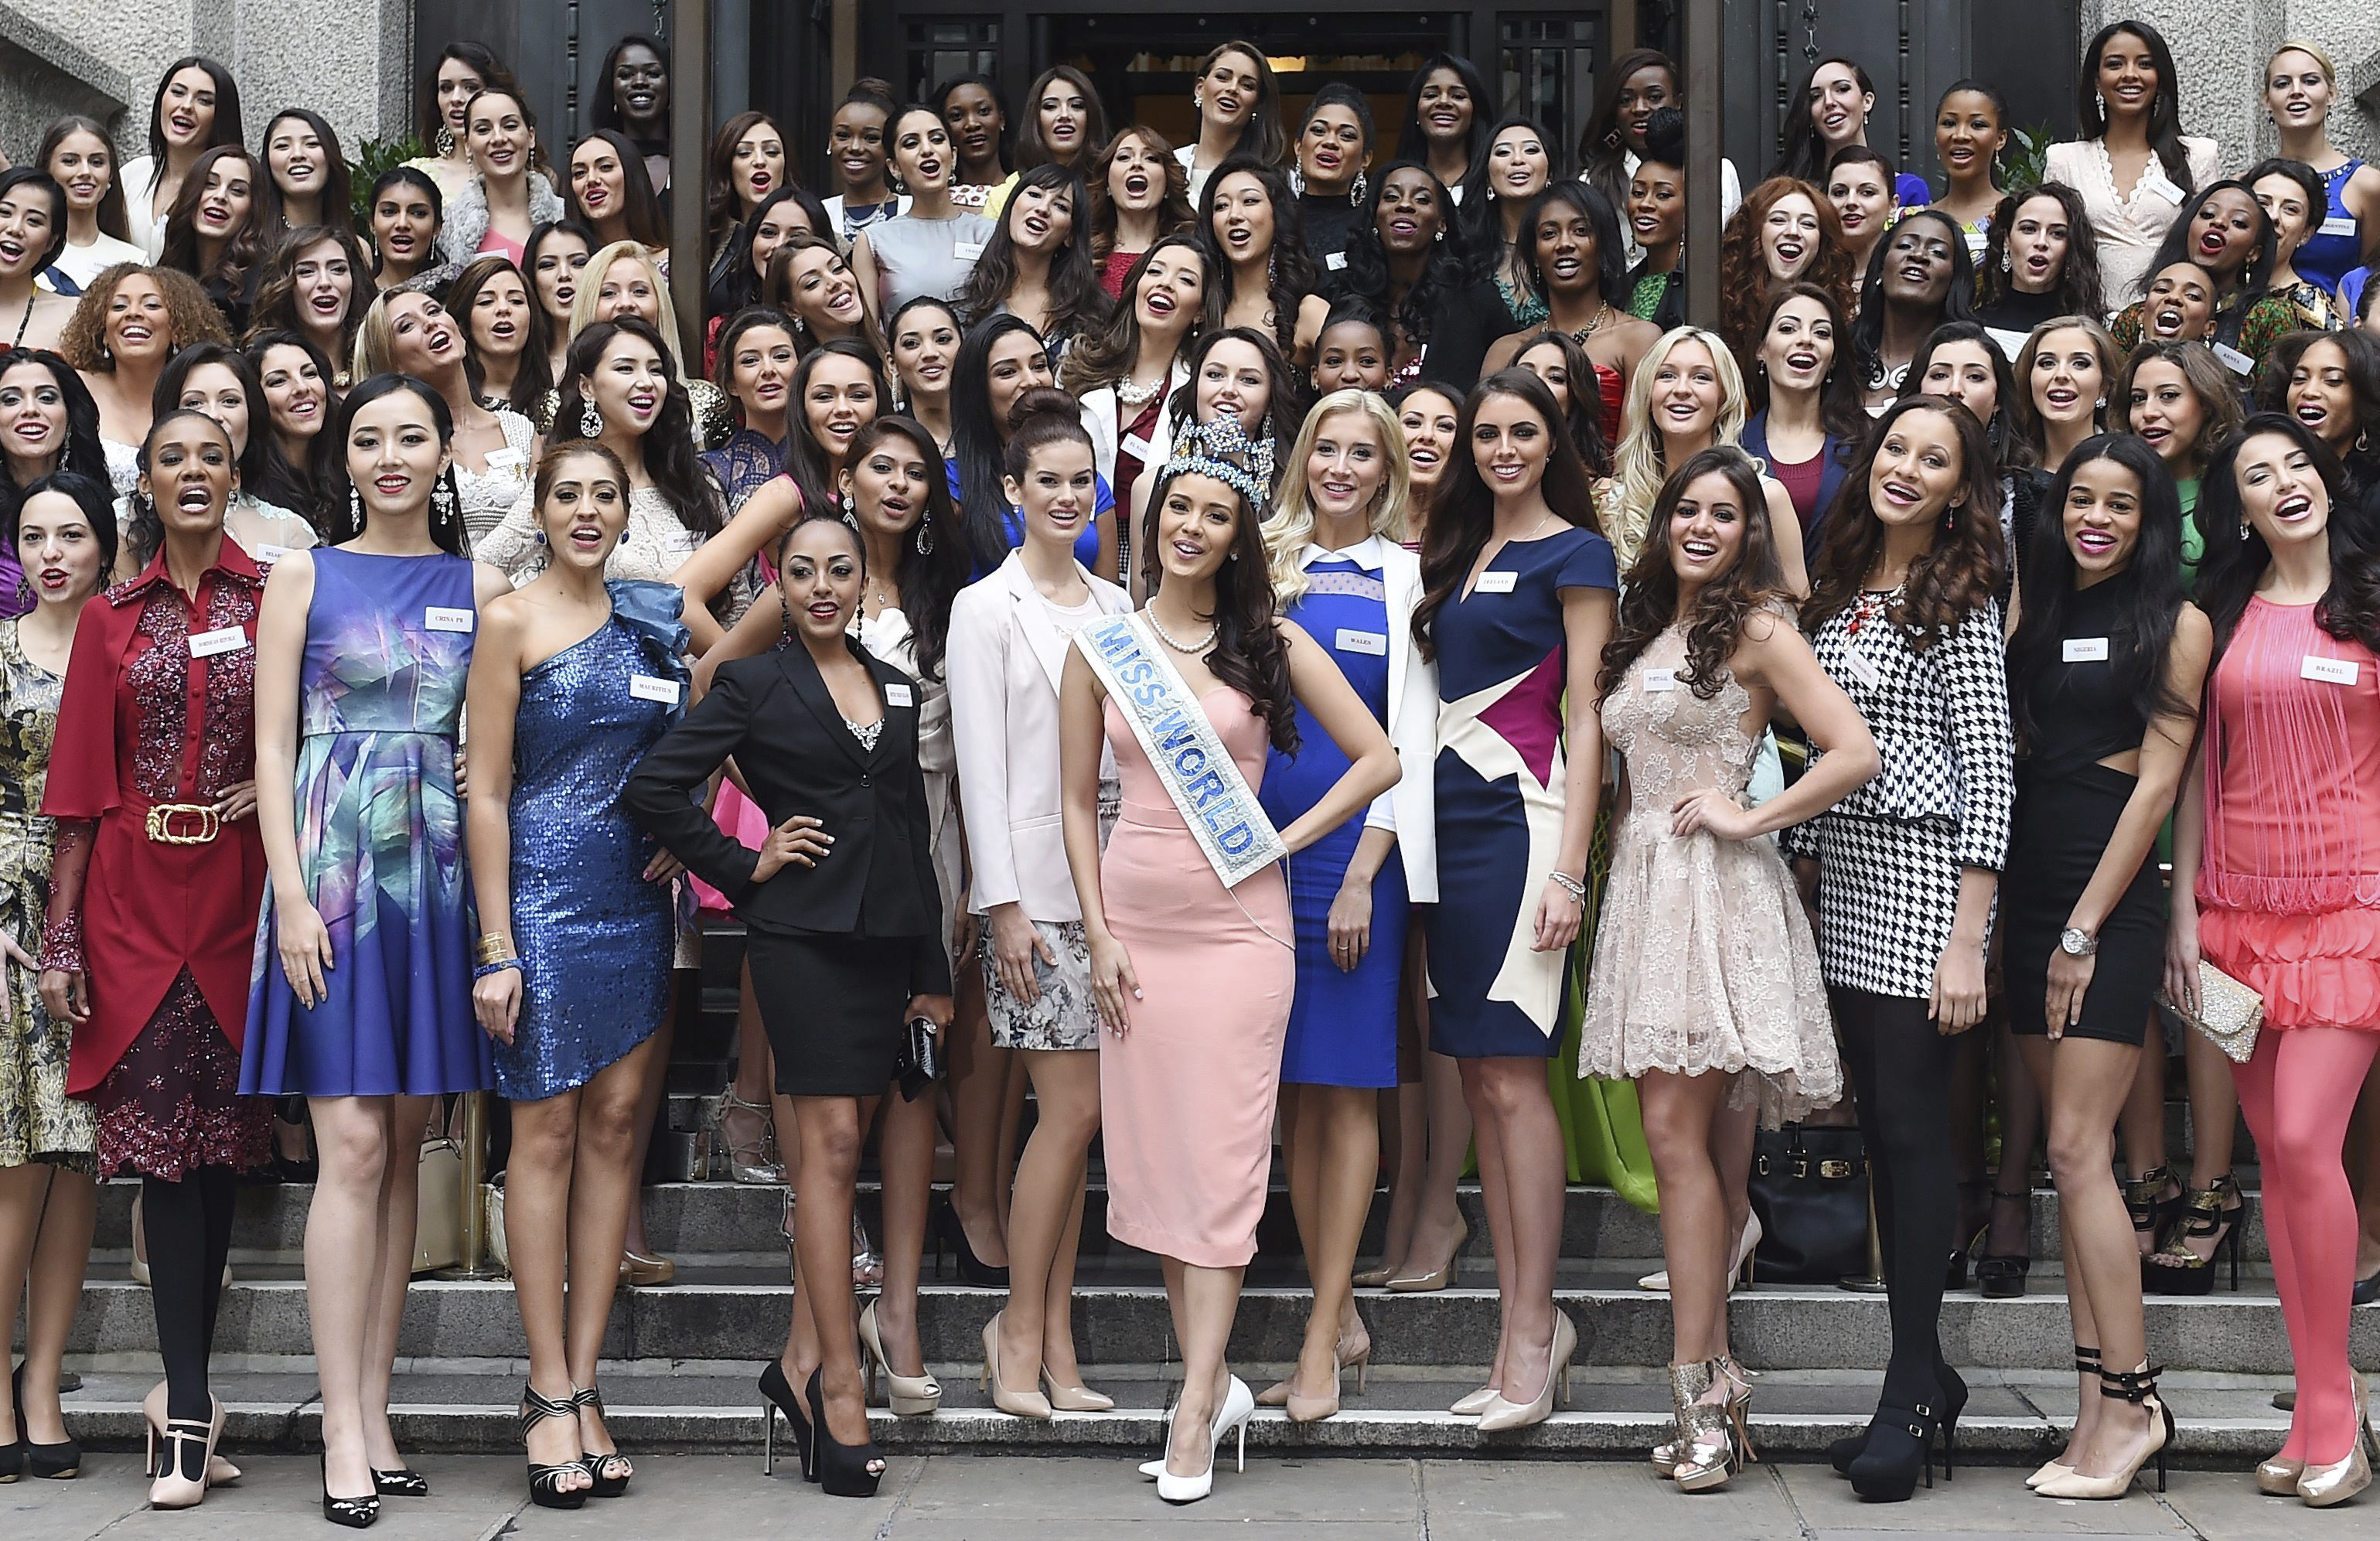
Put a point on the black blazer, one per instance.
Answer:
(775, 715)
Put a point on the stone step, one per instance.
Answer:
(1121, 1315)
(1618, 1414)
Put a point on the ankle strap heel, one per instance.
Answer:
(2140, 1388)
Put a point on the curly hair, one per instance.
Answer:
(190, 315)
(1840, 412)
(1957, 573)
(1077, 302)
(1290, 274)
(1743, 280)
(277, 307)
(1445, 269)
(2237, 559)
(1248, 653)
(1174, 214)
(1648, 604)
(2079, 288)
(1106, 355)
(670, 459)
(2219, 404)
(2358, 348)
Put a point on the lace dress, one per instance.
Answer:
(1704, 958)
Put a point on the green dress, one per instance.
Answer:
(38, 1121)
(1603, 1130)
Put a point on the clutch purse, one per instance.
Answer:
(920, 1064)
(2229, 1012)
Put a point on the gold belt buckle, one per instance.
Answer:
(165, 831)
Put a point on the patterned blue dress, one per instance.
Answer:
(595, 938)
(1342, 1024)
(388, 647)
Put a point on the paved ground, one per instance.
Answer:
(1061, 1499)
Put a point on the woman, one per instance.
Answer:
(1334, 147)
(1572, 257)
(1339, 573)
(578, 928)
(48, 423)
(506, 369)
(62, 531)
(809, 280)
(462, 69)
(1009, 634)
(2224, 231)
(1352, 352)
(305, 180)
(1902, 615)
(606, 194)
(632, 98)
(295, 382)
(1919, 278)
(553, 260)
(2329, 383)
(358, 1000)
(977, 114)
(1805, 421)
(1428, 416)
(1139, 195)
(1174, 954)
(1408, 261)
(1065, 125)
(81, 158)
(1861, 185)
(1038, 263)
(2040, 260)
(746, 164)
(1639, 83)
(2133, 165)
(405, 211)
(216, 231)
(2300, 88)
(1786, 233)
(923, 337)
(147, 944)
(1971, 130)
(625, 280)
(1125, 373)
(2253, 891)
(1709, 969)
(1236, 99)
(2063, 373)
(1233, 372)
(1827, 110)
(756, 372)
(1962, 363)
(742, 263)
(507, 197)
(1497, 197)
(1657, 224)
(195, 109)
(2291, 194)
(1001, 359)
(1266, 279)
(1555, 359)
(318, 285)
(823, 726)
(124, 329)
(33, 215)
(2104, 674)
(489, 447)
(1444, 126)
(932, 245)
(2175, 399)
(216, 378)
(1517, 586)
(858, 147)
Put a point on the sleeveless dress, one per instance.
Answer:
(1342, 1025)
(38, 1121)
(2335, 246)
(388, 645)
(595, 938)
(1704, 960)
(1187, 1094)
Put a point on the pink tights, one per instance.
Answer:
(2297, 1093)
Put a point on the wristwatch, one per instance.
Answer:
(2076, 942)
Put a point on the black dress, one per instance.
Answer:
(2067, 807)
(838, 949)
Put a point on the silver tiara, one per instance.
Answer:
(1222, 449)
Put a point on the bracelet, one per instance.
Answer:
(495, 947)
(498, 968)
(1574, 887)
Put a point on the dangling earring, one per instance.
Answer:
(445, 142)
(443, 501)
(1355, 193)
(2008, 263)
(24, 590)
(2244, 530)
(355, 509)
(849, 515)
(590, 422)
(926, 535)
(786, 609)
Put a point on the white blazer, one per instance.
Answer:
(1410, 807)
(1005, 659)
(1099, 408)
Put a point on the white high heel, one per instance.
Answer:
(1239, 1403)
(1738, 1266)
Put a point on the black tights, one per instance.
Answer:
(1899, 1068)
(187, 1226)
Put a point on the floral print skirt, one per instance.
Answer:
(172, 1104)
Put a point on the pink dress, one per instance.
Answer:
(2288, 889)
(1187, 1092)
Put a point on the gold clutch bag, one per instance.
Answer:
(2229, 1012)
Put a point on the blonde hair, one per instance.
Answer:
(590, 286)
(2311, 50)
(1290, 530)
(375, 349)
(1638, 466)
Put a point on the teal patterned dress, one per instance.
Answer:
(38, 1121)
(388, 647)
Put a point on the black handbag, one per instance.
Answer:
(920, 1061)
(1809, 1189)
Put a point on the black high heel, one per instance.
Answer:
(777, 1394)
(973, 1270)
(2002, 1276)
(844, 1471)
(402, 1483)
(2151, 1212)
(58, 1461)
(606, 1486)
(545, 1489)
(353, 1514)
(1951, 1403)
(1899, 1447)
(2219, 1210)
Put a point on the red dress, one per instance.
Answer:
(165, 933)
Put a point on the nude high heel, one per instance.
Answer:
(1017, 1404)
(909, 1396)
(1503, 1415)
(1074, 1399)
(2138, 1388)
(169, 1489)
(1475, 1403)
(1436, 1279)
(2086, 1362)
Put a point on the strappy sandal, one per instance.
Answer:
(545, 1489)
(598, 1463)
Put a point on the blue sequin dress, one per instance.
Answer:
(594, 937)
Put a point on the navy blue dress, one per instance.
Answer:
(1342, 1025)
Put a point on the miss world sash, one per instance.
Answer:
(1199, 772)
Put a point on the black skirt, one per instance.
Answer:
(832, 1007)
(2062, 825)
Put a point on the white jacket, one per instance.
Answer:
(1099, 408)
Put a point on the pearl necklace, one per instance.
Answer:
(1133, 394)
(1196, 649)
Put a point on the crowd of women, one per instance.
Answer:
(1263, 630)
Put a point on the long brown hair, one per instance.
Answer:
(1955, 578)
(1744, 281)
(1174, 214)
(1648, 601)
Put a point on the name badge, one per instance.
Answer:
(1495, 583)
(2329, 671)
(2086, 650)
(504, 460)
(2340, 225)
(1862, 670)
(1336, 262)
(898, 695)
(1139, 448)
(223, 639)
(967, 251)
(1659, 682)
(266, 556)
(646, 688)
(439, 617)
(2233, 359)
(681, 540)
(2011, 343)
